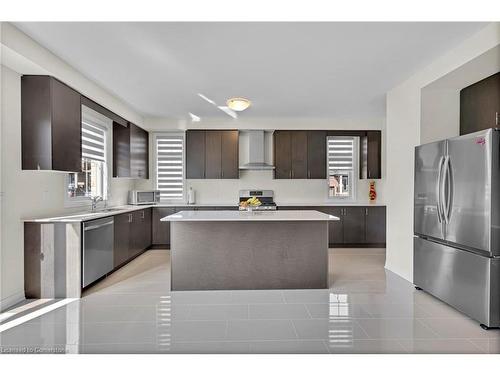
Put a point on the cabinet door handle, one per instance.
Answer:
(366, 211)
(308, 174)
(222, 174)
(142, 215)
(496, 118)
(290, 173)
(129, 218)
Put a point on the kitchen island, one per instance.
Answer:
(213, 250)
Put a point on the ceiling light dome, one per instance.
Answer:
(238, 104)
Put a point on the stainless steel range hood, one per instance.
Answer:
(256, 160)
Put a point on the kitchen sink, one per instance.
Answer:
(108, 210)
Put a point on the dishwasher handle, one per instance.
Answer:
(91, 227)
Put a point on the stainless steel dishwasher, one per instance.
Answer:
(97, 256)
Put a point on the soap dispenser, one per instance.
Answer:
(191, 196)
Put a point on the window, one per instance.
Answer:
(342, 167)
(170, 166)
(92, 181)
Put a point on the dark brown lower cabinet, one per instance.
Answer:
(354, 225)
(362, 226)
(161, 229)
(132, 235)
(375, 225)
(121, 239)
(135, 234)
(140, 231)
(336, 228)
(147, 220)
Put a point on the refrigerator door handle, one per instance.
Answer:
(449, 189)
(438, 190)
(443, 190)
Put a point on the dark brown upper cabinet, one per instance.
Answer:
(480, 105)
(130, 151)
(212, 154)
(282, 154)
(139, 152)
(51, 117)
(230, 154)
(299, 154)
(195, 154)
(316, 154)
(370, 150)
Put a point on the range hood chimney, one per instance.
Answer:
(256, 152)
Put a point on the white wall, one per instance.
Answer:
(404, 131)
(440, 101)
(440, 114)
(32, 193)
(286, 191)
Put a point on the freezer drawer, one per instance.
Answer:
(464, 280)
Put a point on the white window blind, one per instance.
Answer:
(340, 155)
(93, 142)
(170, 166)
(342, 167)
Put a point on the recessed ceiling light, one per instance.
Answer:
(238, 104)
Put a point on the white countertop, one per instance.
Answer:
(77, 217)
(329, 204)
(291, 215)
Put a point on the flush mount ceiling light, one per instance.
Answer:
(238, 104)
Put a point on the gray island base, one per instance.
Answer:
(224, 250)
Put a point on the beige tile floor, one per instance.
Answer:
(367, 309)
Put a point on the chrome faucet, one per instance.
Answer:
(95, 200)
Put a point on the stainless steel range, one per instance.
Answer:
(266, 197)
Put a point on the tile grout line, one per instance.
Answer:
(428, 327)
(477, 346)
(294, 329)
(309, 312)
(355, 320)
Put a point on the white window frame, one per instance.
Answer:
(355, 170)
(155, 165)
(107, 125)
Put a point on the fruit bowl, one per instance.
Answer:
(250, 204)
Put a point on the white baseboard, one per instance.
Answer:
(11, 300)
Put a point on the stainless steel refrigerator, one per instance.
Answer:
(457, 223)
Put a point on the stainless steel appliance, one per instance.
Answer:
(256, 150)
(266, 197)
(457, 223)
(138, 197)
(97, 254)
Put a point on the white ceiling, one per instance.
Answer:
(317, 70)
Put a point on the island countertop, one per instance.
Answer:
(291, 215)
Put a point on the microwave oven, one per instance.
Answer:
(137, 197)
